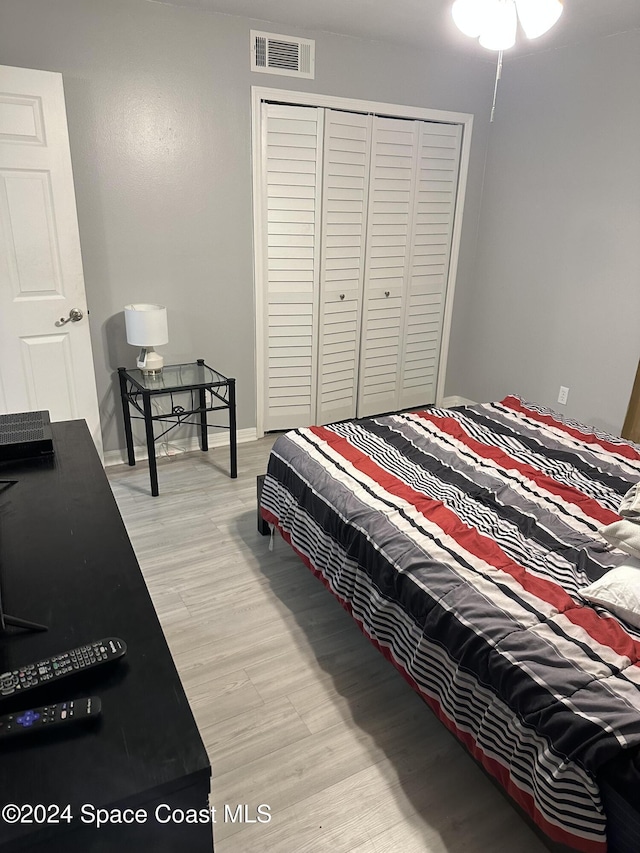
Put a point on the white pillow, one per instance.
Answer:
(619, 591)
(623, 534)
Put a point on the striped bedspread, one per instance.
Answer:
(459, 540)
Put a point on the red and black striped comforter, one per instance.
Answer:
(459, 540)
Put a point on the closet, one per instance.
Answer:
(357, 216)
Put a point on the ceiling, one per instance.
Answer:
(423, 23)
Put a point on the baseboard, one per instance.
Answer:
(450, 402)
(175, 448)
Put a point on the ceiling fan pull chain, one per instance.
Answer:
(495, 88)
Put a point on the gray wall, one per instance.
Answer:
(158, 103)
(556, 297)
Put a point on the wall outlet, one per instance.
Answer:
(563, 395)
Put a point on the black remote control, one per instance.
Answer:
(48, 716)
(67, 663)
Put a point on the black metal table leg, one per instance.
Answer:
(151, 446)
(126, 416)
(202, 399)
(204, 438)
(233, 437)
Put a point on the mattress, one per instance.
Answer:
(459, 539)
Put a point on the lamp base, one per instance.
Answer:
(149, 361)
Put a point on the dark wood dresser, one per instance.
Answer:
(66, 561)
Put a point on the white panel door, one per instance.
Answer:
(347, 145)
(390, 221)
(291, 168)
(42, 365)
(431, 233)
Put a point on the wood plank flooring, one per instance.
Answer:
(297, 710)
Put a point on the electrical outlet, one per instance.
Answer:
(563, 395)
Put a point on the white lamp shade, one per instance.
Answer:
(538, 16)
(499, 26)
(146, 325)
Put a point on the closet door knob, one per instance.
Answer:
(386, 293)
(342, 296)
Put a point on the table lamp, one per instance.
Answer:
(147, 328)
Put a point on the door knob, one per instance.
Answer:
(74, 316)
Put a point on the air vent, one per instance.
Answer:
(277, 54)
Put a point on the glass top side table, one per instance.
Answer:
(199, 386)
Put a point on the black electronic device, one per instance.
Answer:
(59, 666)
(49, 716)
(25, 435)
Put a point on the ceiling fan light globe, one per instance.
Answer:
(500, 25)
(469, 16)
(538, 16)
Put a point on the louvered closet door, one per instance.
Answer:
(390, 221)
(358, 211)
(347, 143)
(292, 161)
(434, 208)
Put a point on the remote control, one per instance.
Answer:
(68, 663)
(48, 716)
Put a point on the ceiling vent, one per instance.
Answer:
(276, 54)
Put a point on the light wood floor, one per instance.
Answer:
(297, 710)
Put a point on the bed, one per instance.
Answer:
(465, 543)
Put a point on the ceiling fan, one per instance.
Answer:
(495, 22)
